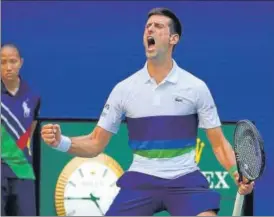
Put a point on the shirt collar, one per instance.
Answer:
(4, 90)
(172, 76)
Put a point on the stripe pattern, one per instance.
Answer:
(13, 156)
(162, 136)
(15, 127)
(15, 141)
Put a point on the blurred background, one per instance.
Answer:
(76, 51)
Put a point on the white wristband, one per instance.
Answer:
(64, 144)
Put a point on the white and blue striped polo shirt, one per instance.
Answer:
(162, 120)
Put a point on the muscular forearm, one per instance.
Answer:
(84, 146)
(225, 155)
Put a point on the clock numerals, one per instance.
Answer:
(81, 173)
(90, 187)
(113, 184)
(72, 183)
(105, 172)
(71, 213)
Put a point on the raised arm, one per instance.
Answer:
(92, 144)
(89, 145)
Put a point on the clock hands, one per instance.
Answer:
(94, 199)
(77, 198)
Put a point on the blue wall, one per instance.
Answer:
(75, 52)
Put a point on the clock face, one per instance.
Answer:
(89, 188)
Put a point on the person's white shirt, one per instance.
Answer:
(180, 94)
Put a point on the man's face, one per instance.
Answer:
(157, 36)
(11, 63)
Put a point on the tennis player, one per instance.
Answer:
(164, 106)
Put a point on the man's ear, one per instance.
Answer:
(174, 39)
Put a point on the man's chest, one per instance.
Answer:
(162, 100)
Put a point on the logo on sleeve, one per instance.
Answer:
(179, 99)
(105, 110)
(106, 107)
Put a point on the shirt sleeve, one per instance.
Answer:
(206, 108)
(113, 111)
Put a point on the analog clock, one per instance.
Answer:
(87, 186)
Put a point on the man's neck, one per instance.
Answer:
(12, 86)
(159, 69)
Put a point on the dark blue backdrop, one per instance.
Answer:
(75, 52)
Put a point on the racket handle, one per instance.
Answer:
(238, 205)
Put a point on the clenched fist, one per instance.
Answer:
(51, 134)
(244, 187)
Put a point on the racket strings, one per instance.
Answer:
(248, 152)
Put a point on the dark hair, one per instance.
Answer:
(175, 25)
(12, 46)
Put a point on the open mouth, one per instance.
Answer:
(150, 42)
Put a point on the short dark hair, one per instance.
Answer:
(175, 25)
(12, 46)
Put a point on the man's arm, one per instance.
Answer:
(221, 147)
(94, 143)
(225, 155)
(83, 146)
(209, 120)
(90, 145)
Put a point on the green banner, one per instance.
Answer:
(58, 176)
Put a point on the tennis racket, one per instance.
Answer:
(250, 157)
